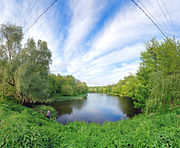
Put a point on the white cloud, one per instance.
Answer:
(84, 16)
(8, 11)
(111, 53)
(127, 26)
(115, 75)
(110, 45)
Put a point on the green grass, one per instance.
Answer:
(58, 97)
(26, 127)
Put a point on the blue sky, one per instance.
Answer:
(97, 41)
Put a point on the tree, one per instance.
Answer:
(165, 91)
(57, 85)
(80, 88)
(11, 37)
(24, 69)
(30, 86)
(129, 88)
(67, 90)
(159, 73)
(32, 73)
(85, 88)
(53, 84)
(140, 97)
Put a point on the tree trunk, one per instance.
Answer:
(23, 101)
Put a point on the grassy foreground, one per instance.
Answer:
(27, 127)
(58, 97)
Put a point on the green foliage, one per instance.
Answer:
(67, 90)
(11, 37)
(160, 71)
(10, 44)
(66, 86)
(24, 71)
(130, 86)
(32, 73)
(32, 129)
(42, 109)
(165, 91)
(29, 84)
(59, 97)
(141, 94)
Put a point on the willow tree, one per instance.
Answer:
(10, 44)
(11, 37)
(30, 86)
(32, 73)
(23, 69)
(164, 92)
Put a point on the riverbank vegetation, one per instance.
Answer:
(30, 128)
(66, 86)
(156, 85)
(58, 97)
(25, 72)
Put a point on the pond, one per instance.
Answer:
(95, 108)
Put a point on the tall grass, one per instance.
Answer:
(28, 127)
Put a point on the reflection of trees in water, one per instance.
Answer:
(63, 110)
(126, 105)
(78, 103)
(66, 107)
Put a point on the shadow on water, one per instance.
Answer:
(96, 108)
(66, 107)
(127, 107)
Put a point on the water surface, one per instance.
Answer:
(95, 108)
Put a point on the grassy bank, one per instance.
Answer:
(27, 127)
(58, 97)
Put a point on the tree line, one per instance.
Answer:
(25, 72)
(156, 84)
(66, 85)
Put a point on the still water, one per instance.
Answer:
(95, 108)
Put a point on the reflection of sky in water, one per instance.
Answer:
(96, 108)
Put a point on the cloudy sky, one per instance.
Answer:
(97, 41)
